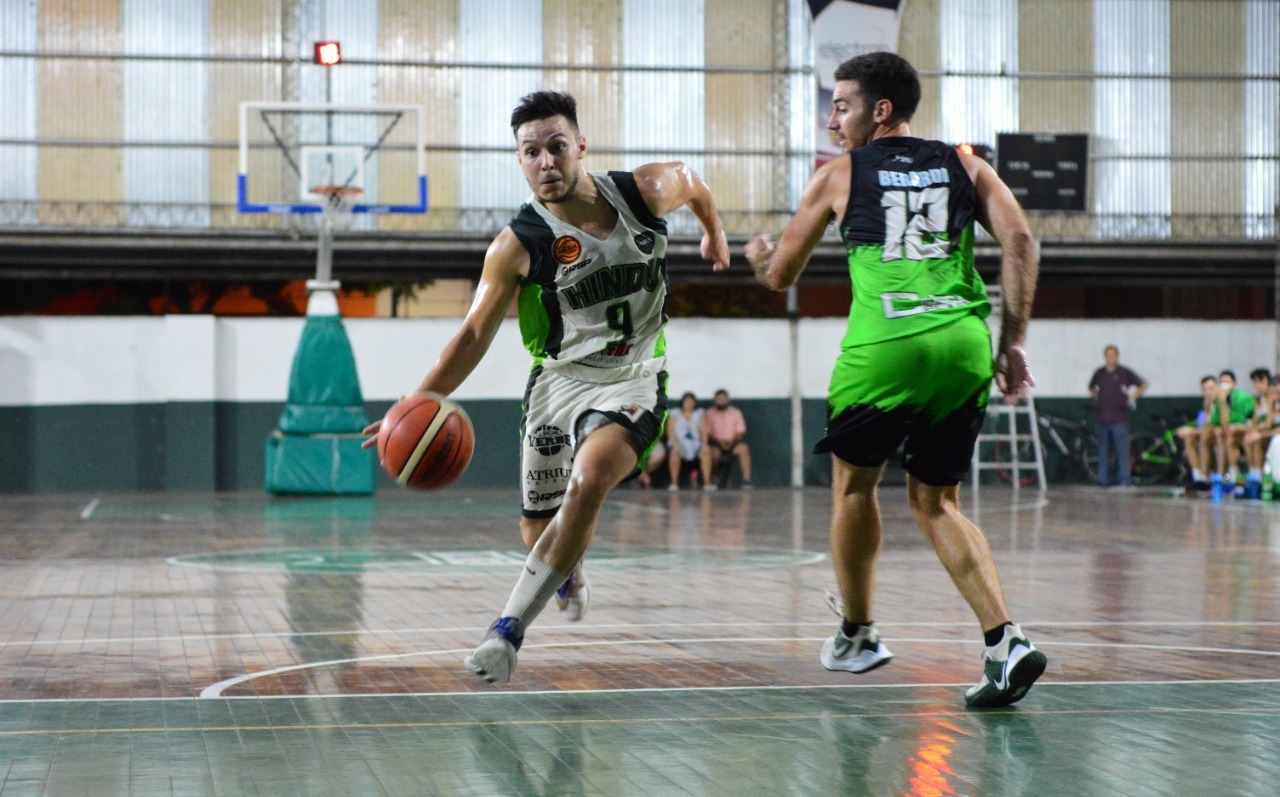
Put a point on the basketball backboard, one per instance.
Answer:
(289, 149)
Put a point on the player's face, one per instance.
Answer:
(550, 153)
(1209, 389)
(852, 119)
(1112, 357)
(1260, 386)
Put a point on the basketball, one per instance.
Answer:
(425, 442)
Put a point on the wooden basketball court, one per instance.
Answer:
(237, 644)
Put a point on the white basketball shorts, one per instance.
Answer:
(560, 411)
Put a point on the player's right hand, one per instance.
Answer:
(371, 434)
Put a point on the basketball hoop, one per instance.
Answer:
(337, 198)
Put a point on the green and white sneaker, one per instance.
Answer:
(863, 653)
(1008, 671)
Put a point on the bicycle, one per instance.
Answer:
(1153, 458)
(1074, 459)
(1158, 459)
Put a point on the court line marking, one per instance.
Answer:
(629, 690)
(1255, 711)
(191, 561)
(216, 689)
(578, 627)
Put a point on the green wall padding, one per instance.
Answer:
(219, 446)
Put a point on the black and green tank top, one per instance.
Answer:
(908, 229)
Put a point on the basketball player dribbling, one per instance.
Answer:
(586, 256)
(916, 363)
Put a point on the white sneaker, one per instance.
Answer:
(574, 596)
(495, 659)
(863, 653)
(1008, 671)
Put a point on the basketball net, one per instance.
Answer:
(334, 213)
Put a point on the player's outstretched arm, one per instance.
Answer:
(999, 212)
(778, 264)
(670, 186)
(504, 264)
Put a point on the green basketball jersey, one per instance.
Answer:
(908, 229)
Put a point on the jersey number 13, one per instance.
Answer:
(915, 224)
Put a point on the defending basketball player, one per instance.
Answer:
(586, 256)
(916, 363)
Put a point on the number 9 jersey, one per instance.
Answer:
(908, 229)
(595, 309)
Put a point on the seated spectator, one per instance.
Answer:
(726, 430)
(1232, 413)
(687, 432)
(1197, 437)
(1258, 437)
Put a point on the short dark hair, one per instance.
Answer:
(544, 105)
(1227, 372)
(1260, 373)
(1111, 347)
(689, 395)
(722, 392)
(884, 76)
(1209, 378)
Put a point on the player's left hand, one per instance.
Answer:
(1013, 374)
(716, 250)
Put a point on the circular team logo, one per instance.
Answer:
(566, 249)
(548, 440)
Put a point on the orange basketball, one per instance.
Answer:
(425, 442)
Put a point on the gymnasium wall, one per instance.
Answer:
(115, 97)
(185, 402)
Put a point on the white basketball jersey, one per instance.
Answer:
(595, 309)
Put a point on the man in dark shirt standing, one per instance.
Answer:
(1110, 388)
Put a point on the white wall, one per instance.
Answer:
(47, 361)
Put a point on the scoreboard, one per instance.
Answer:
(1045, 171)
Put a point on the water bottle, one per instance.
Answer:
(1268, 485)
(1215, 486)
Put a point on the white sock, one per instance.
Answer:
(1255, 474)
(538, 582)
